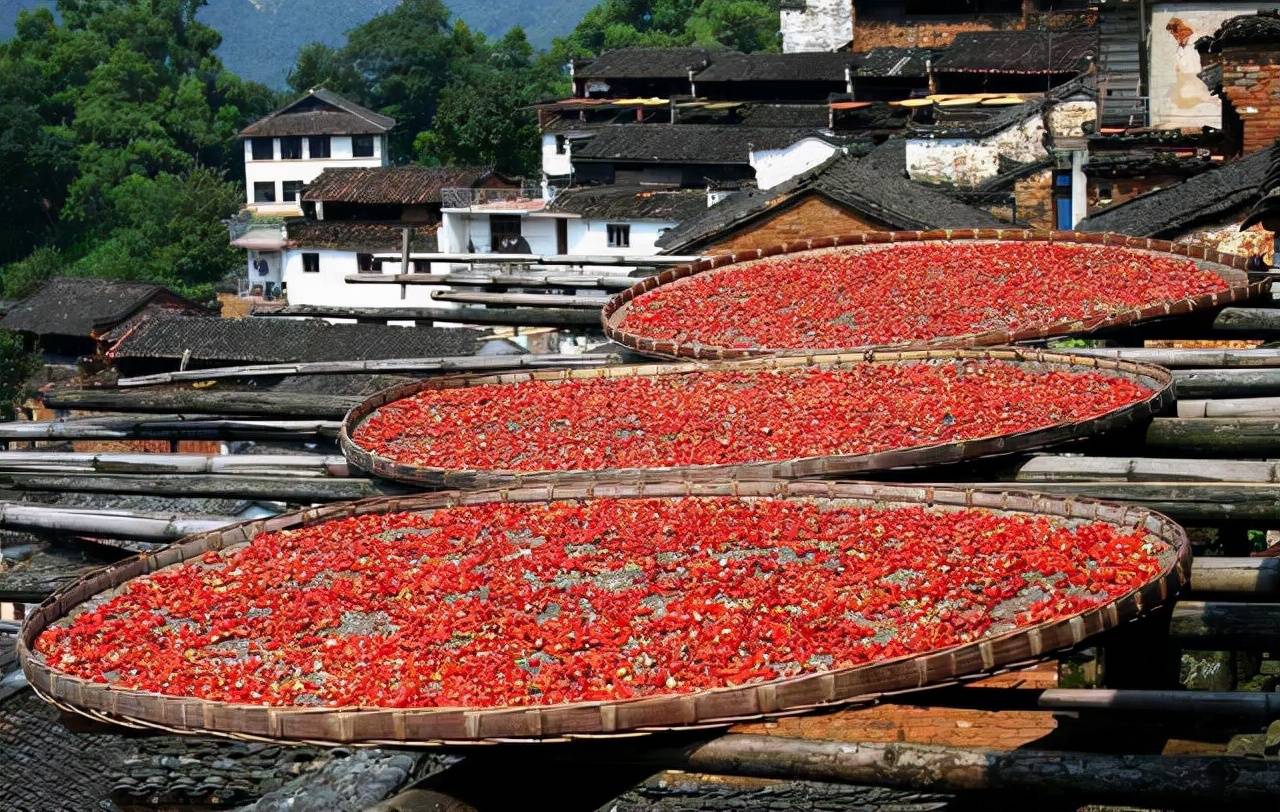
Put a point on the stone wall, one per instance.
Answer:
(815, 216)
(1034, 197)
(969, 162)
(1251, 83)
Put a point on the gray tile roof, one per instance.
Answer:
(644, 63)
(1029, 51)
(1209, 197)
(631, 202)
(875, 186)
(72, 306)
(408, 185)
(320, 112)
(688, 143)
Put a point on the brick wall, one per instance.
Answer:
(925, 32)
(814, 216)
(1251, 85)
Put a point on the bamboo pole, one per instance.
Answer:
(1059, 468)
(294, 489)
(1082, 778)
(1221, 625)
(168, 427)
(516, 317)
(1241, 407)
(514, 280)
(106, 523)
(279, 404)
(1247, 320)
(1237, 436)
(1184, 358)
(1186, 705)
(1223, 576)
(520, 299)
(1226, 383)
(414, 366)
(295, 465)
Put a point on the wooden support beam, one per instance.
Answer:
(295, 465)
(294, 489)
(106, 523)
(520, 299)
(392, 366)
(1242, 437)
(204, 401)
(1224, 407)
(1059, 468)
(1262, 706)
(1218, 626)
(1196, 503)
(168, 427)
(1226, 383)
(1247, 320)
(514, 317)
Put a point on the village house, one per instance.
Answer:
(283, 152)
(1241, 65)
(69, 317)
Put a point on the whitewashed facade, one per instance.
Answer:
(775, 166)
(815, 25)
(283, 177)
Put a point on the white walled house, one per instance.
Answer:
(289, 148)
(815, 25)
(781, 164)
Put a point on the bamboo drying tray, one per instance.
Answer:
(1159, 380)
(707, 708)
(1231, 267)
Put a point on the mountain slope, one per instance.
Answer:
(260, 38)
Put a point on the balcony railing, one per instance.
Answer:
(466, 198)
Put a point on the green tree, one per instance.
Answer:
(22, 278)
(115, 97)
(17, 368)
(743, 25)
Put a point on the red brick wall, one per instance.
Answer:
(813, 217)
(1034, 196)
(1251, 82)
(924, 32)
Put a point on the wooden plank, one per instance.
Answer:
(520, 299)
(1197, 503)
(279, 404)
(415, 366)
(168, 427)
(515, 317)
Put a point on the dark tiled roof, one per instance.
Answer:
(1208, 197)
(278, 341)
(320, 112)
(687, 143)
(1247, 29)
(1267, 208)
(68, 306)
(888, 63)
(359, 235)
(631, 202)
(974, 122)
(875, 185)
(797, 67)
(644, 63)
(761, 114)
(405, 185)
(1018, 52)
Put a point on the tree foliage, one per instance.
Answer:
(741, 25)
(118, 98)
(17, 367)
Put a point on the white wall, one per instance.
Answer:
(461, 232)
(304, 169)
(592, 237)
(329, 286)
(967, 162)
(775, 166)
(1178, 97)
(822, 25)
(554, 164)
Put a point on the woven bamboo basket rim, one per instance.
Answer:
(1231, 267)
(717, 707)
(1158, 379)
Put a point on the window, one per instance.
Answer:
(264, 191)
(311, 263)
(291, 190)
(619, 235)
(362, 146)
(561, 145)
(319, 146)
(262, 149)
(364, 263)
(504, 233)
(291, 148)
(421, 266)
